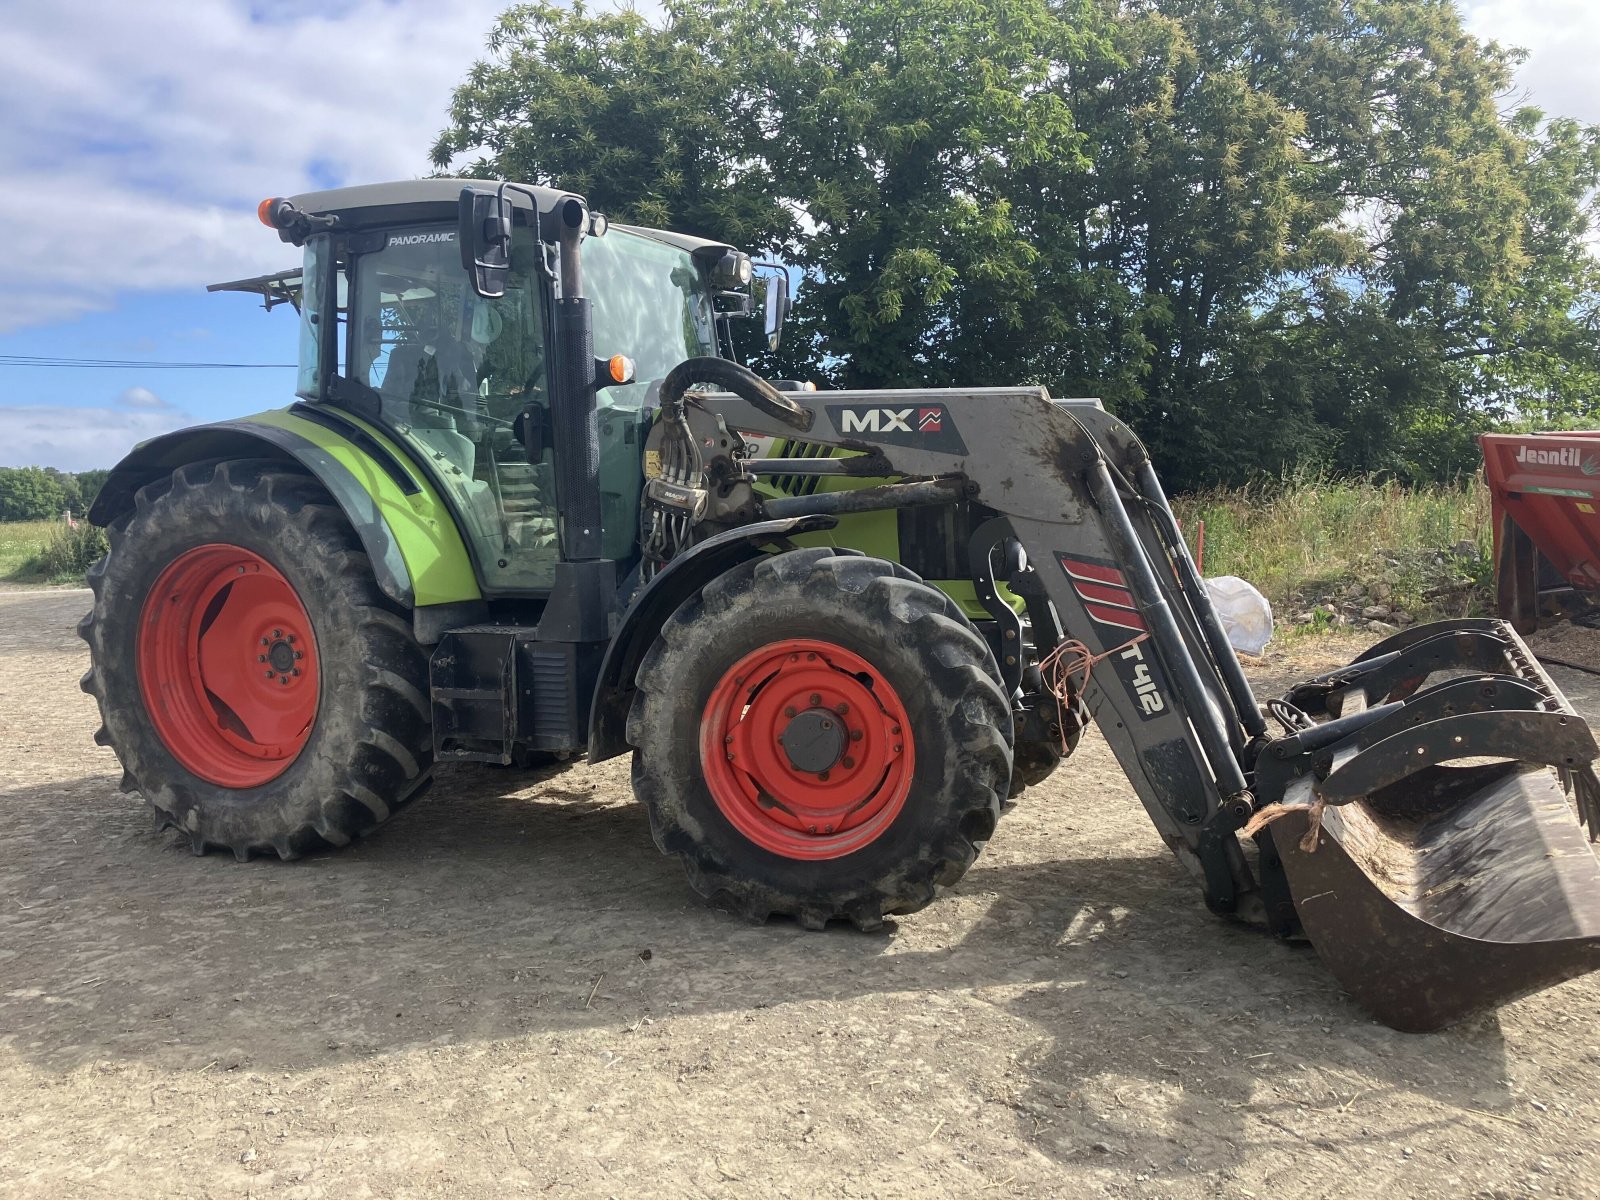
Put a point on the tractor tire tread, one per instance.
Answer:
(920, 624)
(376, 761)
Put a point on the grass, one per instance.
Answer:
(1301, 542)
(21, 544)
(1305, 542)
(48, 551)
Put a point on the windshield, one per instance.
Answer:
(650, 303)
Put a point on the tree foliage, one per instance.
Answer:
(1269, 233)
(30, 494)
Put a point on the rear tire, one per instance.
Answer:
(899, 811)
(312, 756)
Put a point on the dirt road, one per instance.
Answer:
(508, 991)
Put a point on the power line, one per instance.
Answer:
(30, 360)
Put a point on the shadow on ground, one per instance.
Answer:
(483, 915)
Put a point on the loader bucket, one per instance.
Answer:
(1426, 829)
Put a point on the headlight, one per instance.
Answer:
(732, 270)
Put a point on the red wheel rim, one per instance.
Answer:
(806, 749)
(227, 664)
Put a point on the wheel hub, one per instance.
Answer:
(806, 749)
(281, 656)
(814, 740)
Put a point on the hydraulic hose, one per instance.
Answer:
(730, 377)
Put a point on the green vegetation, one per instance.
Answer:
(1274, 235)
(48, 551)
(21, 542)
(44, 493)
(1322, 546)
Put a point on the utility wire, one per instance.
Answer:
(29, 360)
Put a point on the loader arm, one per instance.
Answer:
(1075, 488)
(1433, 884)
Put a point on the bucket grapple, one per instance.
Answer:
(1426, 833)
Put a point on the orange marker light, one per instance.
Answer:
(264, 211)
(621, 367)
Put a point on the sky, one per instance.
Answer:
(139, 138)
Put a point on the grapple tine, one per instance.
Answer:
(1430, 851)
(1586, 794)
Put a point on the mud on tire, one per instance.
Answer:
(368, 751)
(934, 663)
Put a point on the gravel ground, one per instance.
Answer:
(508, 991)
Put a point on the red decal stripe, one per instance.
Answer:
(1120, 617)
(1092, 573)
(1099, 594)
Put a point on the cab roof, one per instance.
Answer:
(436, 200)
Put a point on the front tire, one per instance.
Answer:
(820, 735)
(256, 685)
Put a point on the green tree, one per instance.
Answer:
(29, 494)
(1267, 232)
(635, 118)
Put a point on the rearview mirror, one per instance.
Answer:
(777, 307)
(484, 231)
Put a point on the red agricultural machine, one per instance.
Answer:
(1546, 491)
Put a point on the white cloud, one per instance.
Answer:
(139, 137)
(141, 397)
(78, 439)
(1562, 38)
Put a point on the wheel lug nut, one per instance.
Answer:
(848, 761)
(841, 708)
(269, 674)
(283, 679)
(277, 633)
(298, 654)
(728, 741)
(296, 671)
(266, 641)
(813, 828)
(855, 735)
(291, 639)
(897, 749)
(822, 774)
(815, 699)
(827, 829)
(261, 658)
(789, 711)
(811, 658)
(895, 731)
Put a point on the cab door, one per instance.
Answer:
(457, 375)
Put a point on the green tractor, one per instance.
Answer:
(528, 506)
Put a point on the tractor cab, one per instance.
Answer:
(394, 332)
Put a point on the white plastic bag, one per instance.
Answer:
(1246, 615)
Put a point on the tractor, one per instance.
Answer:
(529, 506)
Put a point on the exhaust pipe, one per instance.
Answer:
(573, 409)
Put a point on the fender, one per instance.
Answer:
(681, 578)
(418, 557)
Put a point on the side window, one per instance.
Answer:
(455, 372)
(314, 275)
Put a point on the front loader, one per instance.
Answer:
(527, 507)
